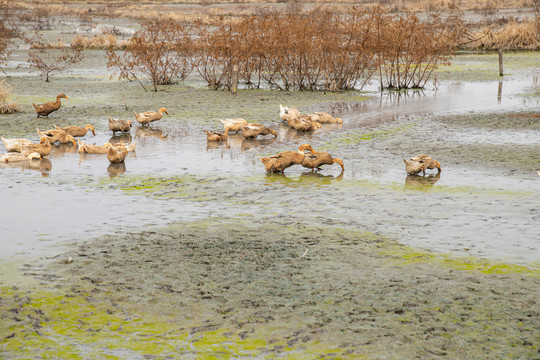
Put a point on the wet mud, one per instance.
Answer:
(226, 289)
(189, 249)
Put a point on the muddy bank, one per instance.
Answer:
(216, 288)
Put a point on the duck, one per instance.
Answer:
(216, 136)
(78, 131)
(420, 163)
(286, 113)
(233, 124)
(16, 157)
(93, 149)
(285, 159)
(325, 118)
(319, 158)
(117, 154)
(304, 123)
(46, 108)
(130, 147)
(119, 125)
(252, 130)
(55, 135)
(15, 144)
(146, 118)
(44, 147)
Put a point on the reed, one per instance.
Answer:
(6, 106)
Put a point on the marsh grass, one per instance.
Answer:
(511, 36)
(7, 107)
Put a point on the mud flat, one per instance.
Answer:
(227, 289)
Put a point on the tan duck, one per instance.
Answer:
(304, 123)
(283, 160)
(325, 118)
(78, 131)
(57, 134)
(130, 147)
(16, 157)
(43, 148)
(320, 158)
(286, 113)
(119, 125)
(146, 118)
(233, 124)
(420, 163)
(252, 130)
(46, 108)
(93, 149)
(117, 154)
(15, 144)
(216, 136)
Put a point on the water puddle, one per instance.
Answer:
(486, 207)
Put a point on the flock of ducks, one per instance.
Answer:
(24, 150)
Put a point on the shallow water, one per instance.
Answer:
(483, 203)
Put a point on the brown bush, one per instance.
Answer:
(159, 51)
(513, 35)
(327, 49)
(49, 61)
(7, 107)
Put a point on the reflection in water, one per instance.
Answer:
(318, 175)
(394, 98)
(61, 149)
(307, 178)
(150, 132)
(499, 92)
(424, 183)
(116, 169)
(124, 137)
(212, 145)
(42, 165)
(248, 144)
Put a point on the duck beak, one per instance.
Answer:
(67, 98)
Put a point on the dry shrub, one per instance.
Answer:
(49, 61)
(159, 51)
(7, 107)
(327, 49)
(102, 41)
(513, 35)
(408, 50)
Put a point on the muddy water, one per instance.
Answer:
(483, 203)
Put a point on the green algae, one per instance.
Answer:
(404, 255)
(357, 136)
(51, 323)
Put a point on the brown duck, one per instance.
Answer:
(252, 130)
(283, 160)
(420, 163)
(320, 158)
(57, 134)
(117, 154)
(147, 117)
(93, 149)
(46, 108)
(325, 118)
(119, 125)
(215, 136)
(43, 148)
(78, 131)
(303, 123)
